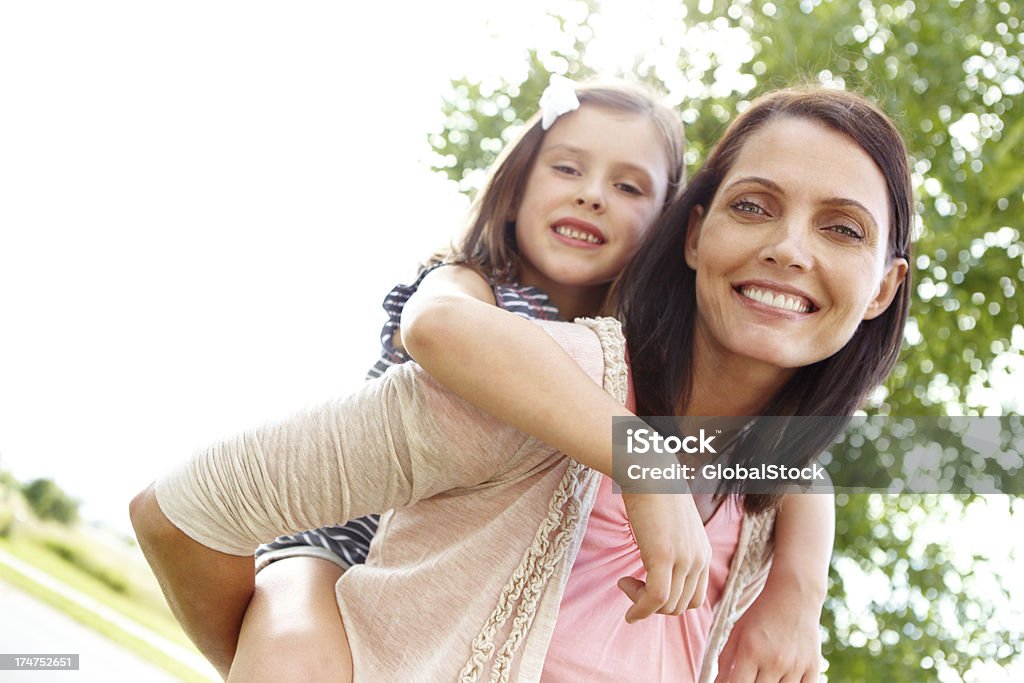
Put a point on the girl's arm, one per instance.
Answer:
(778, 638)
(509, 367)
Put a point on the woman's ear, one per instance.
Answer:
(896, 274)
(693, 227)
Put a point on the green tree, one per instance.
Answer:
(49, 501)
(950, 73)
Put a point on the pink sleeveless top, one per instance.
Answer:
(592, 641)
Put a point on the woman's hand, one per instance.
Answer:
(777, 639)
(675, 551)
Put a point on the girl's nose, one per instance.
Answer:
(590, 198)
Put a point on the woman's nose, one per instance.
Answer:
(787, 246)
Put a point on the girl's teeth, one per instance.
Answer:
(572, 233)
(782, 301)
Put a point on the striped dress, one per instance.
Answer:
(348, 544)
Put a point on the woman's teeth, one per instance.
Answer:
(573, 233)
(787, 303)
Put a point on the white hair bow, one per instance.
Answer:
(557, 99)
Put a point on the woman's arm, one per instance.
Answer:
(512, 369)
(778, 637)
(804, 534)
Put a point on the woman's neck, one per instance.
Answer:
(724, 384)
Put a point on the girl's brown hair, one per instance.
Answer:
(659, 306)
(488, 244)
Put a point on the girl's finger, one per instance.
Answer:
(631, 586)
(682, 601)
(701, 591)
(653, 595)
(679, 591)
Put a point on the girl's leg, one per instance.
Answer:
(292, 629)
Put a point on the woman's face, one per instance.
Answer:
(791, 255)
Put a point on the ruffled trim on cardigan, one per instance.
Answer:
(609, 332)
(519, 599)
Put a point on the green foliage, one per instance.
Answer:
(950, 73)
(931, 617)
(49, 501)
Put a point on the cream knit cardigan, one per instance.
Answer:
(465, 577)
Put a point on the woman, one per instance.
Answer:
(774, 286)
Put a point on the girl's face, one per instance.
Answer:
(791, 255)
(598, 182)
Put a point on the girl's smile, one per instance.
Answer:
(599, 180)
(578, 233)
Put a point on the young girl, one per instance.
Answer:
(675, 596)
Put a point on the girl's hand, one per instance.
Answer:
(776, 639)
(675, 551)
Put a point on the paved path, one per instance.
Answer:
(28, 626)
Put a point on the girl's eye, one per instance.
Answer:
(567, 170)
(629, 188)
(748, 207)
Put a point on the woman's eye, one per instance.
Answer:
(846, 231)
(748, 207)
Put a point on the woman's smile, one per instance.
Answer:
(790, 255)
(776, 297)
